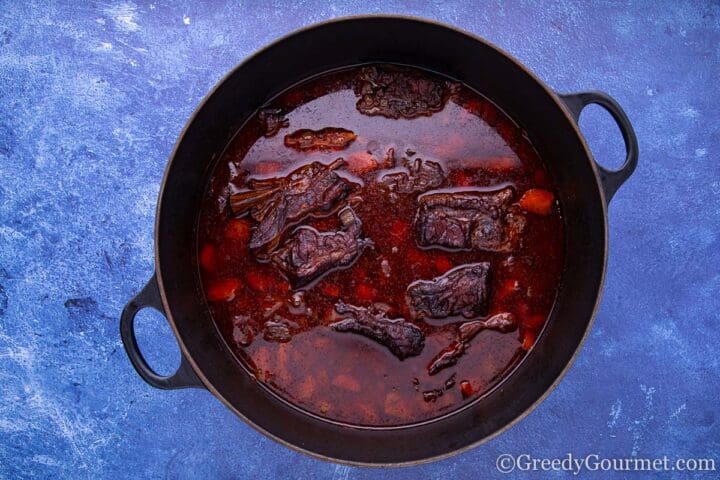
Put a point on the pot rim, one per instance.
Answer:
(168, 312)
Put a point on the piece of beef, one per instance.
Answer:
(308, 254)
(277, 331)
(329, 138)
(275, 203)
(432, 395)
(271, 121)
(402, 338)
(501, 322)
(448, 356)
(476, 220)
(398, 93)
(415, 176)
(389, 158)
(460, 291)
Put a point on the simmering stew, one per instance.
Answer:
(380, 245)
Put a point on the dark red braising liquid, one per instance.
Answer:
(284, 335)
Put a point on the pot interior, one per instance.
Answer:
(342, 44)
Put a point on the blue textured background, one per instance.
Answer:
(92, 98)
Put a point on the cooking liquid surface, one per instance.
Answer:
(345, 376)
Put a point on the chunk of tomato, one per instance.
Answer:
(528, 338)
(538, 201)
(259, 281)
(208, 257)
(223, 290)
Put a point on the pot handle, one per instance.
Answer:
(149, 296)
(610, 179)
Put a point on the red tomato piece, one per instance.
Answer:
(537, 200)
(208, 257)
(466, 389)
(223, 290)
(260, 282)
(529, 337)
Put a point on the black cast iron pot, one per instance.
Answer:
(584, 187)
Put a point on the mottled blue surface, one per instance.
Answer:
(92, 98)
